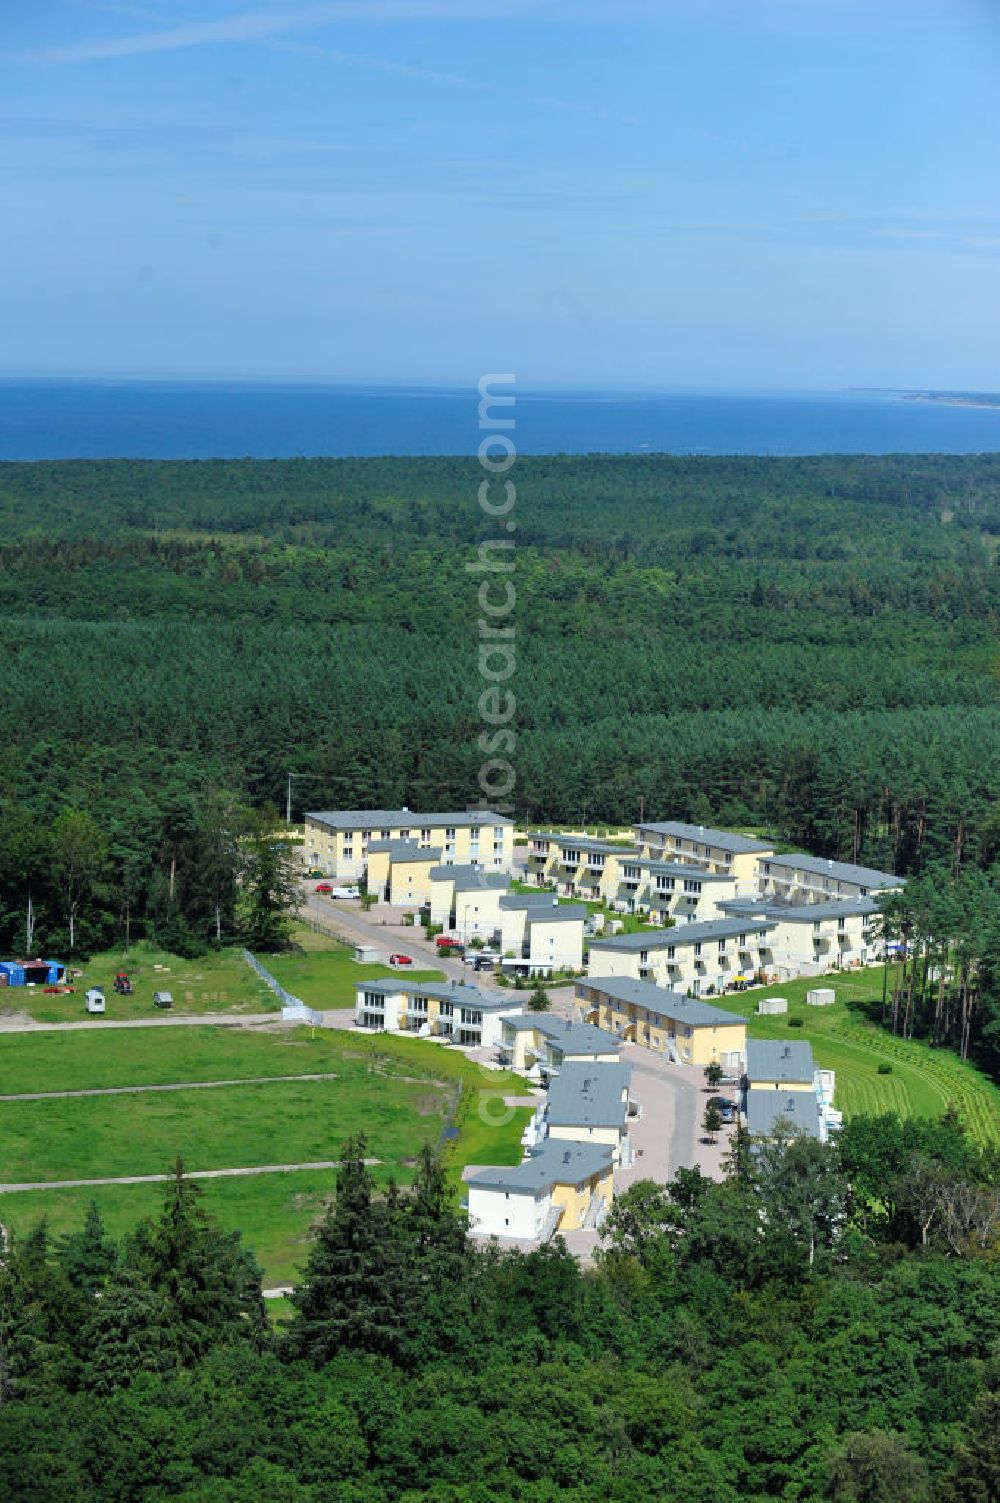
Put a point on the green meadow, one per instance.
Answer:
(922, 1081)
(401, 1093)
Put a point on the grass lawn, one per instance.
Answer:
(923, 1082)
(400, 1092)
(326, 974)
(155, 1056)
(220, 981)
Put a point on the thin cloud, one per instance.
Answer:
(260, 25)
(451, 80)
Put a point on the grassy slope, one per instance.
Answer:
(386, 1086)
(217, 982)
(326, 974)
(924, 1082)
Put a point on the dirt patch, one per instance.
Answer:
(429, 1105)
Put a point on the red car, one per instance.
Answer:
(323, 887)
(445, 942)
(400, 959)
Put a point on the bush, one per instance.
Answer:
(884, 1069)
(796, 1022)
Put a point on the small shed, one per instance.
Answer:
(163, 999)
(369, 955)
(771, 1005)
(95, 999)
(14, 972)
(615, 926)
(821, 996)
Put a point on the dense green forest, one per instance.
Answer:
(807, 646)
(822, 1325)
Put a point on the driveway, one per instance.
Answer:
(382, 927)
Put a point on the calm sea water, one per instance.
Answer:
(44, 419)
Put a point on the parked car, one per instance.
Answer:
(324, 887)
(343, 892)
(447, 942)
(400, 959)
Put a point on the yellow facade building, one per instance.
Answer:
(337, 841)
(686, 1029)
(721, 851)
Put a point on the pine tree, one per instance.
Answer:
(350, 1296)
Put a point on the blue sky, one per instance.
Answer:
(687, 194)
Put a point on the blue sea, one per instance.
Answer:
(89, 419)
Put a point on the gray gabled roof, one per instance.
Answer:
(765, 1108)
(555, 1163)
(840, 871)
(660, 1000)
(773, 1059)
(388, 819)
(467, 878)
(684, 869)
(562, 913)
(570, 1038)
(739, 845)
(584, 843)
(682, 934)
(589, 1095)
(458, 992)
(513, 902)
(799, 913)
(403, 851)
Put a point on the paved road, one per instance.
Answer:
(181, 1085)
(22, 1024)
(380, 927)
(157, 1179)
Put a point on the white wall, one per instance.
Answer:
(497, 1213)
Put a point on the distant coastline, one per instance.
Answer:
(985, 400)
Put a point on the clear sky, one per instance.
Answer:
(669, 193)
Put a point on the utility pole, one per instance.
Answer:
(292, 776)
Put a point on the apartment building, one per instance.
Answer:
(536, 1042)
(687, 1030)
(560, 1188)
(799, 878)
(702, 959)
(337, 841)
(575, 865)
(454, 1011)
(672, 891)
(542, 932)
(465, 900)
(399, 872)
(719, 851)
(810, 938)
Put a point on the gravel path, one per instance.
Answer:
(157, 1179)
(180, 1085)
(20, 1023)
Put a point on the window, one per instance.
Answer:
(498, 832)
(383, 834)
(697, 947)
(670, 951)
(425, 834)
(449, 834)
(404, 834)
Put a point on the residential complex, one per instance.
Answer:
(809, 938)
(576, 866)
(536, 1043)
(689, 1031)
(338, 841)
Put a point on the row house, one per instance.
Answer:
(719, 851)
(465, 900)
(538, 1043)
(575, 865)
(672, 891)
(811, 938)
(703, 959)
(454, 1011)
(798, 878)
(687, 1030)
